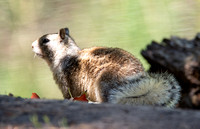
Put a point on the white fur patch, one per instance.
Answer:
(36, 48)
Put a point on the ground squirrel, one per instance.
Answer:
(107, 74)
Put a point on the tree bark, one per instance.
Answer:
(180, 57)
(29, 113)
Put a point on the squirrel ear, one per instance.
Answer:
(62, 33)
(67, 31)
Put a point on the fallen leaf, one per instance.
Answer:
(35, 96)
(83, 97)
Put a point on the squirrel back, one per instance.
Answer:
(107, 74)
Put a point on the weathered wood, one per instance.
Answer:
(24, 113)
(180, 57)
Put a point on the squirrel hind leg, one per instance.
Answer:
(151, 89)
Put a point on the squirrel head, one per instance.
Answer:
(54, 47)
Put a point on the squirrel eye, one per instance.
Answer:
(45, 40)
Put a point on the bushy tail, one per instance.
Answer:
(147, 89)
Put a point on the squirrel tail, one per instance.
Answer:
(147, 89)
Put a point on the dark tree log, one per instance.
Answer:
(180, 57)
(27, 113)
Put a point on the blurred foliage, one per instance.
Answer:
(127, 24)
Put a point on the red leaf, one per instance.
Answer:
(35, 96)
(81, 98)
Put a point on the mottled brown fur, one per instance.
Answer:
(95, 66)
(106, 65)
(107, 74)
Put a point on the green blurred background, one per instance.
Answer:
(127, 24)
